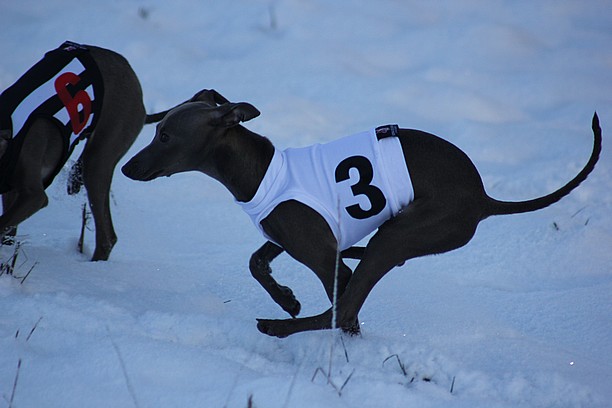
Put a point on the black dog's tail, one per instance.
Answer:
(495, 207)
(210, 96)
(156, 117)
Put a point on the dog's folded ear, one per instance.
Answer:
(209, 96)
(231, 114)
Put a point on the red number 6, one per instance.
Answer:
(78, 118)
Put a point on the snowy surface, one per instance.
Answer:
(520, 317)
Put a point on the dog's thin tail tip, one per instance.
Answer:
(595, 125)
(155, 117)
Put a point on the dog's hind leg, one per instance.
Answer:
(354, 252)
(421, 229)
(100, 156)
(97, 177)
(120, 120)
(259, 265)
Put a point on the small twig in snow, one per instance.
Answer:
(33, 329)
(319, 369)
(345, 350)
(17, 247)
(292, 385)
(15, 384)
(330, 382)
(577, 212)
(123, 369)
(335, 296)
(27, 274)
(84, 219)
(399, 362)
(8, 267)
(345, 382)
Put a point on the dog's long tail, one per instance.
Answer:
(210, 96)
(156, 117)
(495, 207)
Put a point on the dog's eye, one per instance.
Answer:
(164, 138)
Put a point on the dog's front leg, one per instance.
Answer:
(40, 152)
(307, 238)
(26, 203)
(20, 204)
(259, 266)
(7, 236)
(286, 327)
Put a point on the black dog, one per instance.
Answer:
(75, 92)
(447, 199)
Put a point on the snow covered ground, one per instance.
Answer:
(520, 317)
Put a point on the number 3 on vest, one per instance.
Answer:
(362, 187)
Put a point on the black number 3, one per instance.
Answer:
(363, 186)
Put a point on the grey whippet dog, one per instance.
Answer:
(30, 158)
(449, 201)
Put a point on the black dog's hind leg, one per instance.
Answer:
(354, 252)
(423, 228)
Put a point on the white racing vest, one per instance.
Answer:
(355, 183)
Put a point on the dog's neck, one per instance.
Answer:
(241, 159)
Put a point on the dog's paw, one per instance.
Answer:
(353, 329)
(8, 235)
(289, 303)
(272, 328)
(293, 309)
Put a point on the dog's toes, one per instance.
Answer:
(270, 327)
(290, 304)
(292, 307)
(353, 329)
